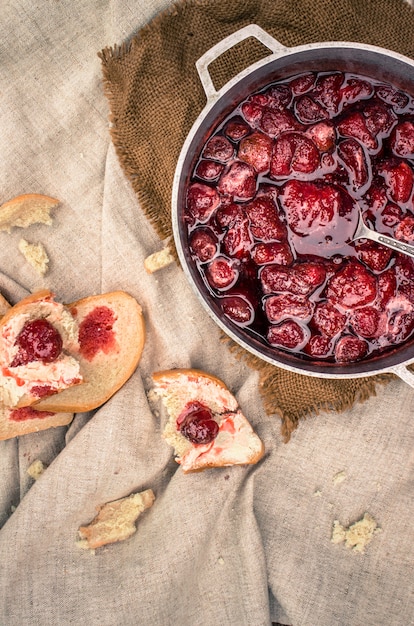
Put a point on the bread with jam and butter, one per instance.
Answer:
(205, 424)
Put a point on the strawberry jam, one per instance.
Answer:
(37, 341)
(271, 209)
(196, 423)
(96, 332)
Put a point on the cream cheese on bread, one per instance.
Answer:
(18, 384)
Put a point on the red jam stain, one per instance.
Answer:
(227, 426)
(196, 423)
(269, 228)
(27, 413)
(96, 333)
(37, 341)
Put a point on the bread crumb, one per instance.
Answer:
(36, 469)
(339, 478)
(115, 521)
(158, 260)
(25, 210)
(356, 536)
(220, 560)
(36, 255)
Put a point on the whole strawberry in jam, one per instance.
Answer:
(196, 423)
(37, 341)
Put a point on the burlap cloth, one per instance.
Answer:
(239, 546)
(155, 96)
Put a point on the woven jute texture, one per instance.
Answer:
(155, 95)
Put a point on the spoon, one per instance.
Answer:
(362, 231)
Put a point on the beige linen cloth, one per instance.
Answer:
(234, 546)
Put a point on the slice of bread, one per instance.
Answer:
(24, 381)
(111, 341)
(115, 521)
(235, 442)
(17, 422)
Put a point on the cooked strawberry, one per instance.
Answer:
(353, 155)
(218, 148)
(356, 89)
(391, 215)
(311, 206)
(294, 153)
(395, 97)
(353, 286)
(279, 97)
(379, 118)
(366, 321)
(238, 181)
(227, 214)
(328, 90)
(404, 272)
(301, 279)
(221, 273)
(274, 123)
(376, 256)
(350, 349)
(239, 309)
(402, 139)
(201, 201)
(285, 305)
(288, 334)
(252, 113)
(399, 178)
(238, 240)
(209, 170)
(203, 243)
(265, 222)
(328, 319)
(308, 111)
(236, 128)
(272, 252)
(405, 229)
(354, 125)
(302, 83)
(323, 135)
(256, 149)
(318, 347)
(387, 287)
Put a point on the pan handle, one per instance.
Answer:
(404, 373)
(252, 30)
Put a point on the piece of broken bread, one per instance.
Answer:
(205, 425)
(59, 359)
(115, 521)
(27, 209)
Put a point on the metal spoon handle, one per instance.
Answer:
(394, 244)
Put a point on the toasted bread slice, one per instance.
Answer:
(111, 341)
(24, 380)
(16, 422)
(235, 442)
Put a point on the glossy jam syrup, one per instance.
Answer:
(38, 340)
(272, 207)
(196, 423)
